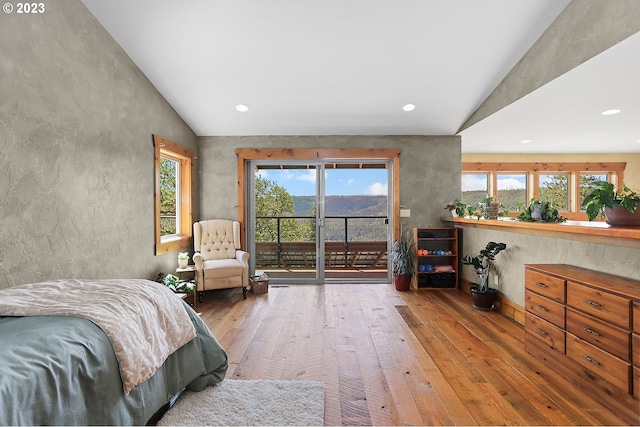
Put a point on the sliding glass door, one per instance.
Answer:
(285, 210)
(313, 222)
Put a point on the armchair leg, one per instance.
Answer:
(200, 296)
(244, 292)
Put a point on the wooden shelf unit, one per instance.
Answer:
(442, 247)
(585, 325)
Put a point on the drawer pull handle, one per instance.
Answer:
(539, 307)
(542, 285)
(595, 362)
(592, 332)
(541, 332)
(595, 304)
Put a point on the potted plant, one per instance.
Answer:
(177, 285)
(539, 211)
(183, 259)
(483, 296)
(403, 258)
(460, 208)
(620, 208)
(490, 209)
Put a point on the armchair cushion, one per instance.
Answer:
(222, 268)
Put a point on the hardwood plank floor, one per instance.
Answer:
(395, 358)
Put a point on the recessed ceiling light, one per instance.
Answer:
(242, 108)
(525, 141)
(610, 112)
(409, 107)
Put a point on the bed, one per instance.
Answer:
(64, 369)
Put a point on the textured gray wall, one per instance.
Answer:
(531, 249)
(76, 152)
(429, 170)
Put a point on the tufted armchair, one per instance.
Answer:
(220, 264)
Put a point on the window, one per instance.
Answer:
(173, 196)
(169, 197)
(586, 183)
(554, 187)
(512, 190)
(566, 184)
(475, 187)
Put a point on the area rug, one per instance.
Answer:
(250, 403)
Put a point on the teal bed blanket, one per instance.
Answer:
(57, 370)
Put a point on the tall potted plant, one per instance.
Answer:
(403, 258)
(483, 296)
(619, 207)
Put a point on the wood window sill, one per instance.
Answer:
(596, 231)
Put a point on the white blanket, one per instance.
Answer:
(144, 320)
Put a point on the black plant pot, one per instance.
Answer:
(484, 301)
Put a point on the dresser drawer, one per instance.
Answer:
(636, 317)
(599, 333)
(605, 365)
(545, 333)
(603, 305)
(550, 286)
(636, 350)
(545, 308)
(636, 382)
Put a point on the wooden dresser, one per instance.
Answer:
(585, 325)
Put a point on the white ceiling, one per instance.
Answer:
(564, 116)
(346, 67)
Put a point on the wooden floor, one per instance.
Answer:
(395, 358)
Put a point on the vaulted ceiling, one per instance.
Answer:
(348, 67)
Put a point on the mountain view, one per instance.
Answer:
(343, 205)
(349, 206)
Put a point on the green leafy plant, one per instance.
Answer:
(461, 208)
(604, 195)
(403, 256)
(483, 263)
(183, 255)
(178, 285)
(539, 211)
(480, 209)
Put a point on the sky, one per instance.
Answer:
(338, 182)
(472, 182)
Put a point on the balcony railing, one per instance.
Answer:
(351, 243)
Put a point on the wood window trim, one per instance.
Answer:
(165, 147)
(534, 169)
(246, 155)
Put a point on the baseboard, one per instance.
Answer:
(504, 306)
